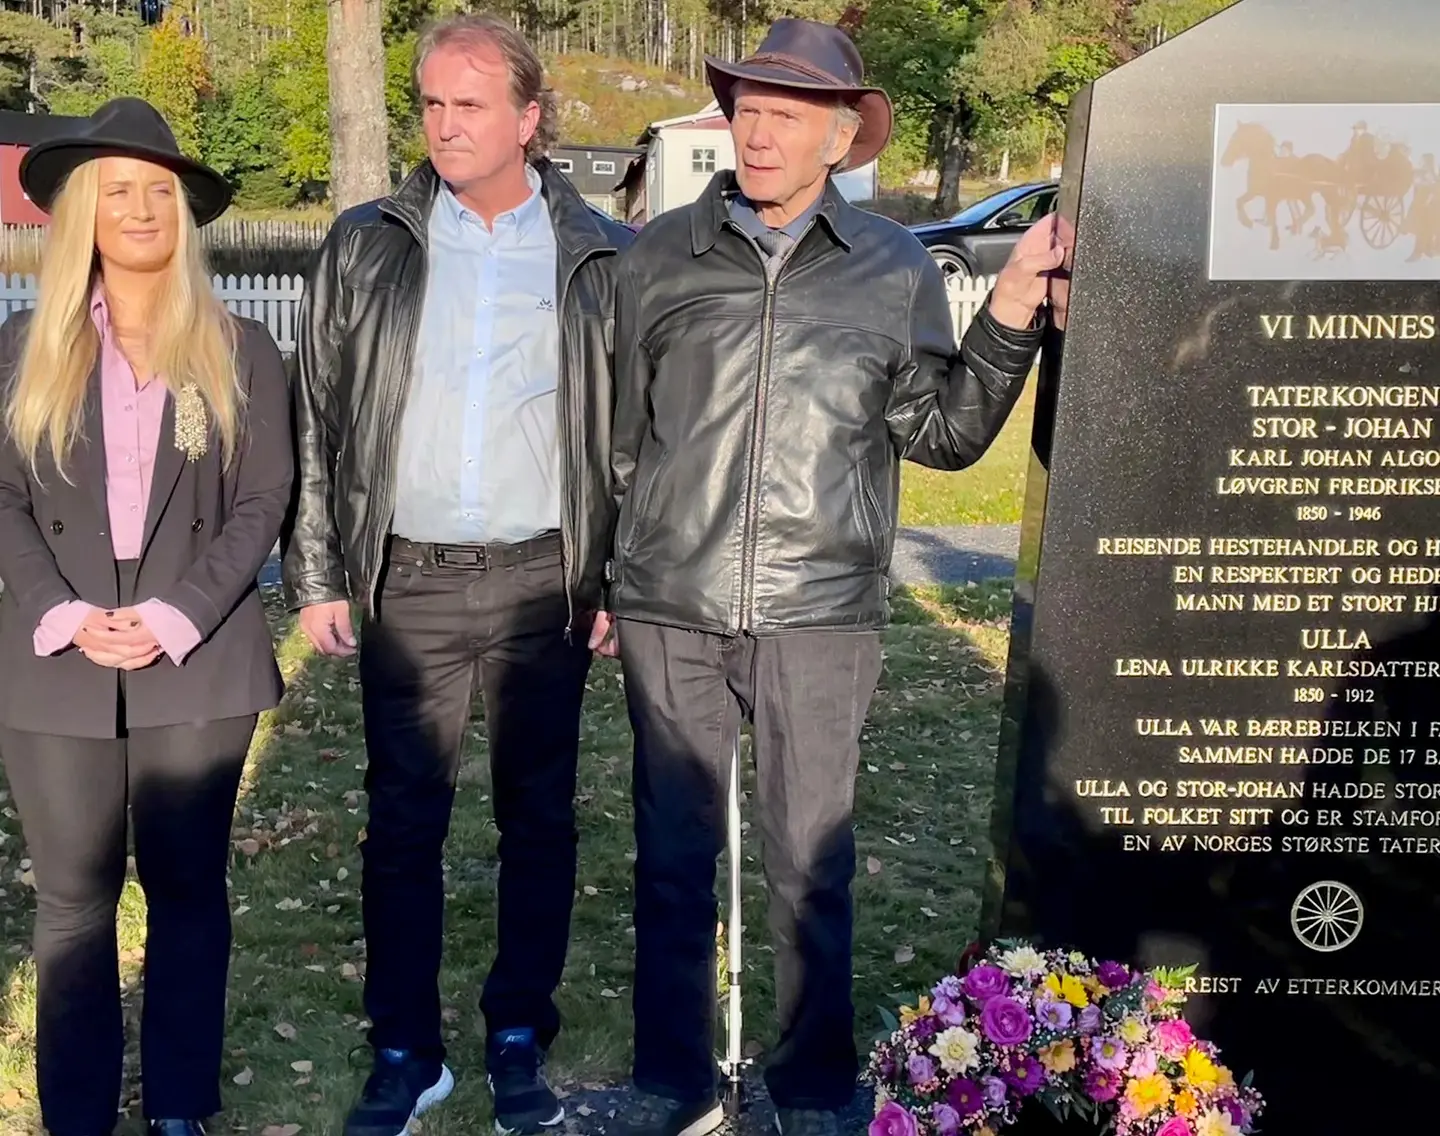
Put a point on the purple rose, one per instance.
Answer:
(921, 1069)
(1089, 1020)
(1005, 1021)
(1053, 1015)
(893, 1120)
(995, 1092)
(965, 1097)
(924, 1029)
(1025, 1076)
(986, 982)
(947, 1120)
(1113, 974)
(1108, 1052)
(948, 1010)
(1101, 1085)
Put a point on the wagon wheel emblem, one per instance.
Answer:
(1327, 916)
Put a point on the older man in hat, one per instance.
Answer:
(778, 353)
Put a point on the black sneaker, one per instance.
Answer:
(400, 1088)
(807, 1122)
(648, 1115)
(524, 1102)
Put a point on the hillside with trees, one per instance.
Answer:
(246, 85)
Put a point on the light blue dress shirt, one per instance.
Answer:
(479, 452)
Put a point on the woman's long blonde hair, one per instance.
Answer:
(192, 336)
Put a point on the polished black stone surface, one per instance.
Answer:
(1145, 430)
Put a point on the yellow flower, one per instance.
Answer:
(1186, 1103)
(1060, 1057)
(1216, 1123)
(1133, 1031)
(1146, 1094)
(1200, 1072)
(1093, 986)
(909, 1015)
(1224, 1077)
(1073, 991)
(1066, 988)
(986, 1131)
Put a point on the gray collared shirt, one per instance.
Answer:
(479, 454)
(744, 215)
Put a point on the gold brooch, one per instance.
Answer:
(192, 431)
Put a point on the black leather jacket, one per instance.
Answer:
(357, 327)
(760, 427)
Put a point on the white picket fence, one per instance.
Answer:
(274, 300)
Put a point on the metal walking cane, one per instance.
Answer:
(733, 1090)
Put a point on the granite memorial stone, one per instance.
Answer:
(1222, 733)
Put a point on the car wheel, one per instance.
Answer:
(952, 263)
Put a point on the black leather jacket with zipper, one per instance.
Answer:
(760, 423)
(356, 339)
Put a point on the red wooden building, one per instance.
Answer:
(18, 132)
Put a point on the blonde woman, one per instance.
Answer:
(145, 471)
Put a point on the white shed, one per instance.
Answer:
(681, 156)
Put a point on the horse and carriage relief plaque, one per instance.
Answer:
(1322, 191)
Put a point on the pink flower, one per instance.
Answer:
(1143, 1064)
(1176, 1126)
(893, 1120)
(1174, 1039)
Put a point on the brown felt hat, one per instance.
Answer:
(808, 56)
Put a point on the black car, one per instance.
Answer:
(977, 240)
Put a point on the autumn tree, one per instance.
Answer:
(174, 75)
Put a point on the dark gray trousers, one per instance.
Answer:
(807, 694)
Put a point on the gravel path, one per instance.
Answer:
(953, 555)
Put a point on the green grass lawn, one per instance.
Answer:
(295, 988)
(991, 492)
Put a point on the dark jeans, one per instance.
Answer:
(180, 784)
(807, 694)
(437, 630)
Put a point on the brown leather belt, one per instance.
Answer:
(476, 557)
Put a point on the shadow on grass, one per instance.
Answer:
(295, 1012)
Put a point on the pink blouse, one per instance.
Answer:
(132, 417)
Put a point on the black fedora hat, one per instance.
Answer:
(126, 128)
(808, 56)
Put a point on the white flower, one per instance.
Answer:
(1215, 1123)
(1078, 960)
(1023, 962)
(957, 1049)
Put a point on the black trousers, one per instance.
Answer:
(807, 694)
(438, 630)
(180, 784)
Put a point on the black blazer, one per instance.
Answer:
(208, 531)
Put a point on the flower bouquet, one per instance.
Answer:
(1091, 1041)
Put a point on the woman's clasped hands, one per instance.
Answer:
(117, 638)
